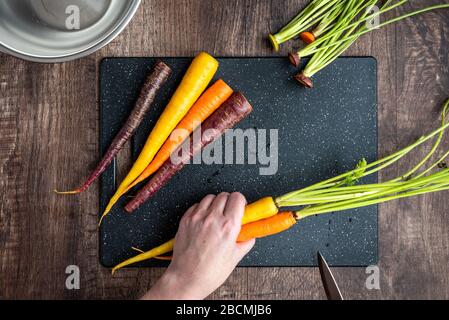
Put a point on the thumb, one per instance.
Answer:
(242, 249)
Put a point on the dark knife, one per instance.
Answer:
(330, 286)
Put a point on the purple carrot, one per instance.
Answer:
(232, 111)
(153, 83)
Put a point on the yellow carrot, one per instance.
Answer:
(166, 247)
(194, 82)
(261, 209)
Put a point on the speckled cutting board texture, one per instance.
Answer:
(322, 132)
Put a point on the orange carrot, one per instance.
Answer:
(210, 101)
(266, 227)
(307, 37)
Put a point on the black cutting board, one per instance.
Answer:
(321, 132)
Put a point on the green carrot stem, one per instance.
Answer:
(301, 15)
(432, 150)
(308, 10)
(346, 189)
(312, 69)
(438, 162)
(325, 57)
(323, 200)
(312, 14)
(279, 37)
(376, 165)
(344, 205)
(333, 52)
(406, 187)
(328, 21)
(444, 156)
(354, 37)
(312, 211)
(328, 201)
(334, 181)
(311, 48)
(314, 18)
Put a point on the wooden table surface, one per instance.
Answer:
(49, 131)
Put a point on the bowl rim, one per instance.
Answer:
(97, 45)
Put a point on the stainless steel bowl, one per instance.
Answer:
(48, 30)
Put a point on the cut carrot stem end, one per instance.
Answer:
(304, 80)
(307, 37)
(273, 42)
(294, 59)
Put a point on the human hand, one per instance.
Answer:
(205, 251)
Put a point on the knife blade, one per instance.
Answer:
(329, 283)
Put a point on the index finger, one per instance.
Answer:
(235, 207)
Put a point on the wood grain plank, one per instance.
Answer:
(422, 81)
(42, 114)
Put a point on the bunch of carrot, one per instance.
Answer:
(262, 218)
(194, 82)
(330, 27)
(217, 108)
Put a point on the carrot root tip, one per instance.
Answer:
(129, 208)
(304, 80)
(72, 192)
(137, 249)
(101, 220)
(294, 59)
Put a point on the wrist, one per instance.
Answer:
(174, 286)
